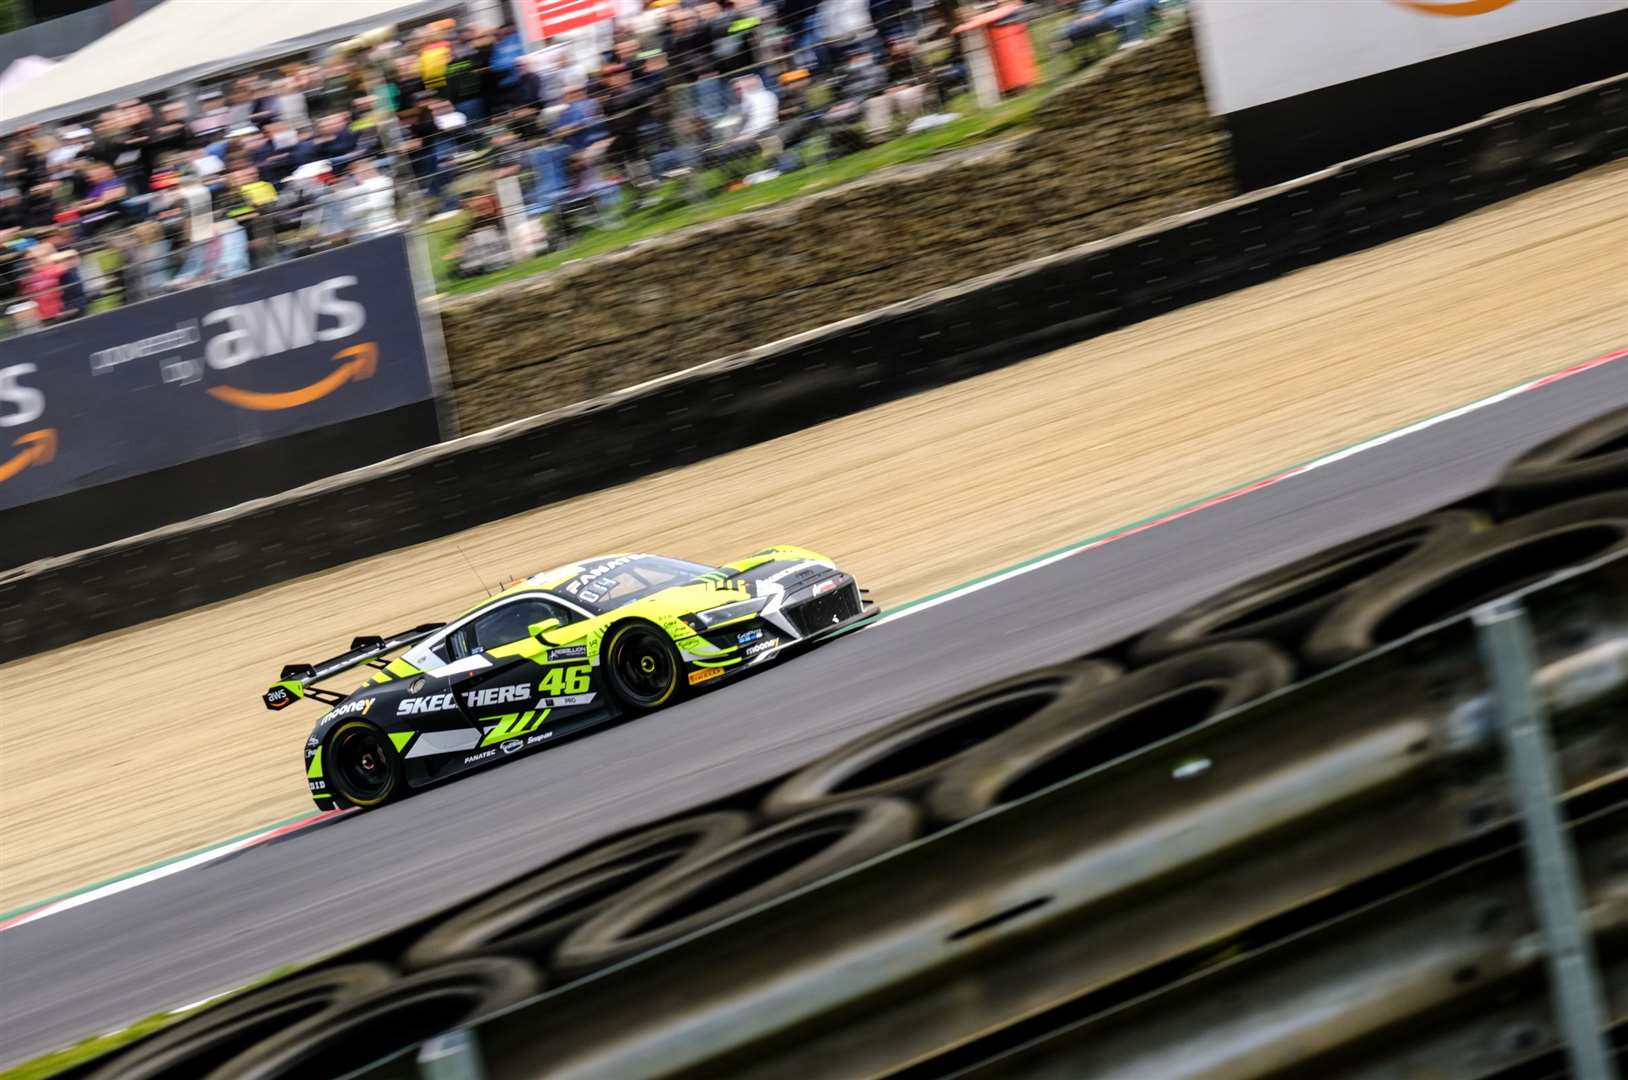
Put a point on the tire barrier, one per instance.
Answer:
(1118, 718)
(771, 862)
(222, 1032)
(903, 758)
(1586, 460)
(1450, 581)
(365, 1029)
(528, 917)
(1282, 605)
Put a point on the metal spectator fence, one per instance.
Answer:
(523, 183)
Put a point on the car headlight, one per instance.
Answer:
(706, 620)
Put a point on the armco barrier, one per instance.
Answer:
(1411, 980)
(726, 404)
(1127, 829)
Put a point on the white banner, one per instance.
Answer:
(1256, 51)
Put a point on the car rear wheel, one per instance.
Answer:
(642, 666)
(363, 767)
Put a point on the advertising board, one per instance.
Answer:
(1259, 51)
(308, 344)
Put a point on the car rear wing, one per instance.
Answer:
(298, 680)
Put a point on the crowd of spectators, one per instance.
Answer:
(155, 194)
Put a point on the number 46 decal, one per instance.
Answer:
(565, 680)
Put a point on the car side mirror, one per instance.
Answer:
(538, 629)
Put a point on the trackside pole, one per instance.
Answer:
(452, 1056)
(1505, 639)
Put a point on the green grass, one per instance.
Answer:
(86, 1049)
(973, 126)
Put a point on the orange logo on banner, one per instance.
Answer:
(38, 448)
(362, 363)
(1454, 7)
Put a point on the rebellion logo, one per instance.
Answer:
(1460, 8)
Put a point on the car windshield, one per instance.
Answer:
(610, 583)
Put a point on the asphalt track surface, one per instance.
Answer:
(184, 937)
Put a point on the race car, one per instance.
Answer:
(558, 652)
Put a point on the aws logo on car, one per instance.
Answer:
(1460, 8)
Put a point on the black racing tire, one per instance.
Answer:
(392, 1018)
(1118, 718)
(904, 757)
(1393, 604)
(209, 1038)
(1589, 459)
(1282, 605)
(362, 766)
(757, 868)
(642, 666)
(528, 917)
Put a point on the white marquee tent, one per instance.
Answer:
(183, 40)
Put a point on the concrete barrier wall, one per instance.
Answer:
(1127, 143)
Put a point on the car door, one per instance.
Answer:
(500, 699)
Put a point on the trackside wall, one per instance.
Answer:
(1127, 143)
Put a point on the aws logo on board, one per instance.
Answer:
(21, 405)
(237, 334)
(30, 448)
(1459, 8)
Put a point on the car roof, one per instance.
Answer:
(559, 575)
(546, 580)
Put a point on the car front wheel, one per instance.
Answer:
(642, 666)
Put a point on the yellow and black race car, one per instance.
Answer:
(559, 652)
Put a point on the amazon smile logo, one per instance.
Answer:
(356, 363)
(1459, 8)
(34, 448)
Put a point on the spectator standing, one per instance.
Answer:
(435, 53)
(146, 262)
(169, 135)
(372, 197)
(99, 209)
(505, 67)
(283, 152)
(463, 75)
(292, 108)
(43, 283)
(582, 124)
(406, 83)
(336, 142)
